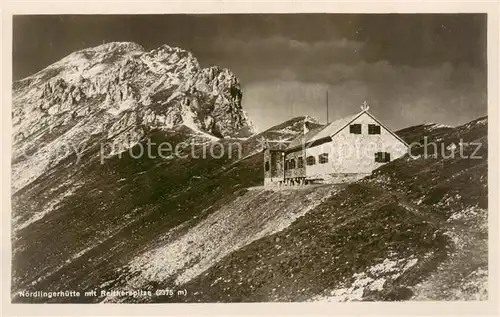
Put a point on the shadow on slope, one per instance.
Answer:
(99, 215)
(375, 240)
(82, 223)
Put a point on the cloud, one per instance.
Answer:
(400, 95)
(274, 57)
(284, 77)
(276, 45)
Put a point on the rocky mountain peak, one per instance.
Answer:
(121, 91)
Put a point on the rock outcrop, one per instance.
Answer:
(118, 91)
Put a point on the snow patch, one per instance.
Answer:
(467, 213)
(433, 126)
(373, 279)
(482, 121)
(287, 130)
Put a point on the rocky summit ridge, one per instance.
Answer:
(118, 91)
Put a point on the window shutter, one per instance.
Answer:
(300, 162)
(311, 160)
(323, 158)
(355, 128)
(382, 157)
(373, 129)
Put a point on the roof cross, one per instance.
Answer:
(365, 106)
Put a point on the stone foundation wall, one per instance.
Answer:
(341, 178)
(272, 181)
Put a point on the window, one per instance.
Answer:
(267, 166)
(292, 164)
(355, 128)
(323, 158)
(310, 160)
(300, 162)
(382, 157)
(287, 164)
(373, 129)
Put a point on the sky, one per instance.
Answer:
(410, 68)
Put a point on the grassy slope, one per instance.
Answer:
(119, 209)
(116, 210)
(398, 212)
(249, 217)
(343, 236)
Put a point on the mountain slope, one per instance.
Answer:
(118, 92)
(382, 238)
(111, 212)
(415, 229)
(412, 221)
(386, 237)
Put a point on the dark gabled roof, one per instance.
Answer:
(324, 134)
(303, 138)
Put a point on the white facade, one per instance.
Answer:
(350, 153)
(341, 153)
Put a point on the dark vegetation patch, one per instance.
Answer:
(48, 73)
(353, 230)
(19, 85)
(113, 57)
(399, 210)
(431, 180)
(122, 206)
